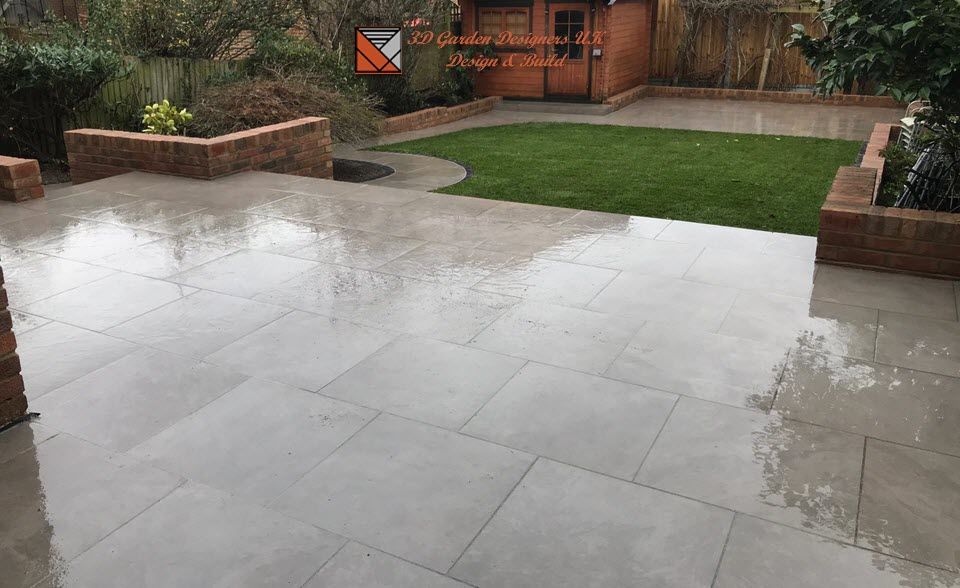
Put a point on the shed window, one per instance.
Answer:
(494, 21)
(568, 24)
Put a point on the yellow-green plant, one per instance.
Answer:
(164, 118)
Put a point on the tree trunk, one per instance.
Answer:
(729, 49)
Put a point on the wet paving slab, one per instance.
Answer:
(269, 380)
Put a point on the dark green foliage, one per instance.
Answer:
(209, 29)
(279, 53)
(753, 181)
(47, 83)
(911, 49)
(898, 163)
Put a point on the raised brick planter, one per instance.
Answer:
(856, 233)
(20, 179)
(431, 117)
(13, 402)
(301, 147)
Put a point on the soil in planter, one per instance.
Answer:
(351, 170)
(54, 172)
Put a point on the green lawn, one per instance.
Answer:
(755, 181)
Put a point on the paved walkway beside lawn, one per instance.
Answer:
(267, 380)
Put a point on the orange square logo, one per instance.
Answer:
(378, 51)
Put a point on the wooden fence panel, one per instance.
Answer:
(787, 68)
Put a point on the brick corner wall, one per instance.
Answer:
(855, 232)
(13, 401)
(431, 117)
(302, 147)
(20, 179)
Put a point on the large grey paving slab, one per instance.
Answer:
(141, 213)
(360, 249)
(885, 291)
(447, 264)
(275, 235)
(761, 554)
(305, 207)
(95, 241)
(642, 256)
(566, 527)
(669, 300)
(199, 324)
(244, 273)
(83, 203)
(22, 437)
(539, 240)
(302, 350)
(735, 371)
(43, 276)
(256, 440)
(715, 236)
(588, 421)
(909, 506)
(165, 257)
(410, 489)
(919, 343)
(558, 335)
(55, 354)
(872, 399)
(551, 281)
(23, 322)
(198, 537)
(63, 496)
(794, 473)
(357, 566)
(829, 327)
(128, 401)
(617, 224)
(37, 228)
(109, 301)
(753, 271)
(426, 380)
(390, 302)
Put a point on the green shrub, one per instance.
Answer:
(208, 29)
(899, 162)
(256, 102)
(45, 84)
(165, 119)
(278, 53)
(396, 93)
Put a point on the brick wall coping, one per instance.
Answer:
(299, 147)
(20, 179)
(431, 117)
(855, 232)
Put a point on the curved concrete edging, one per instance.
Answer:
(411, 172)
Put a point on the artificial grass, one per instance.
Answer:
(754, 181)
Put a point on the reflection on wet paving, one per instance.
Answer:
(463, 363)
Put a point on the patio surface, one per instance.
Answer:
(279, 381)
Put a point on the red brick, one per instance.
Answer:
(12, 409)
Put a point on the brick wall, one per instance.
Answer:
(856, 233)
(431, 117)
(301, 147)
(20, 179)
(13, 402)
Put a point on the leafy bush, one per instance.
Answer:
(908, 48)
(279, 53)
(256, 102)
(46, 83)
(164, 119)
(397, 94)
(899, 162)
(185, 28)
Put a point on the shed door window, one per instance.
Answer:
(494, 21)
(568, 24)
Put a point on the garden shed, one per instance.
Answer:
(590, 72)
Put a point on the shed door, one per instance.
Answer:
(568, 20)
